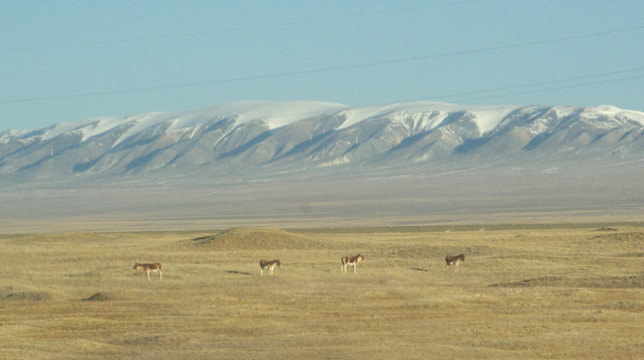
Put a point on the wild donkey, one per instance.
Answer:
(454, 260)
(353, 261)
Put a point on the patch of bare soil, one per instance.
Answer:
(256, 239)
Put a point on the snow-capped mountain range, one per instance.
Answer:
(273, 137)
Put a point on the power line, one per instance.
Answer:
(558, 88)
(326, 69)
(240, 28)
(541, 83)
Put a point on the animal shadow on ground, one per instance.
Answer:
(238, 272)
(419, 269)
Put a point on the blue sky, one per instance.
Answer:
(70, 60)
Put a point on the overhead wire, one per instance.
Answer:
(462, 96)
(607, 81)
(339, 68)
(306, 21)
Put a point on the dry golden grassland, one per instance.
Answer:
(533, 293)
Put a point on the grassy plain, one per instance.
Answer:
(525, 293)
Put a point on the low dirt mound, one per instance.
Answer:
(433, 253)
(542, 281)
(101, 296)
(36, 296)
(256, 239)
(631, 306)
(633, 281)
(605, 228)
(633, 236)
(636, 281)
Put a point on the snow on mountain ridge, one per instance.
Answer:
(486, 117)
(610, 110)
(10, 135)
(424, 114)
(275, 114)
(305, 134)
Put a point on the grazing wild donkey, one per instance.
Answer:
(353, 261)
(454, 260)
(150, 267)
(268, 265)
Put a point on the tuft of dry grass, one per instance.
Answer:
(531, 293)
